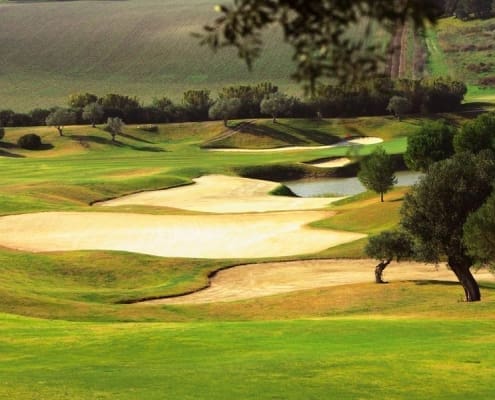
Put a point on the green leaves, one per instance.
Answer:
(377, 172)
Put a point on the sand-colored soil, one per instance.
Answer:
(257, 280)
(359, 141)
(222, 194)
(203, 236)
(336, 163)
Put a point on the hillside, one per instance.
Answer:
(136, 47)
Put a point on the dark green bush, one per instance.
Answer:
(2, 132)
(29, 141)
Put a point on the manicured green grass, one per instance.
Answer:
(337, 358)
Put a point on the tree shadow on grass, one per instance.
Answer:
(313, 135)
(4, 153)
(85, 140)
(266, 131)
(127, 136)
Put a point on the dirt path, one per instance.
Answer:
(192, 236)
(257, 280)
(222, 194)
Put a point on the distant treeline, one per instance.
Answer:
(372, 98)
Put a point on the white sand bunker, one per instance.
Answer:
(358, 141)
(335, 163)
(202, 236)
(222, 194)
(257, 280)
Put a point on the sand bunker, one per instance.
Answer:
(202, 236)
(336, 163)
(257, 280)
(222, 194)
(359, 141)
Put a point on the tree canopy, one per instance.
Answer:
(318, 30)
(377, 172)
(436, 209)
(476, 135)
(385, 247)
(432, 143)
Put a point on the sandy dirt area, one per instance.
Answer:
(202, 236)
(336, 163)
(222, 194)
(257, 280)
(360, 141)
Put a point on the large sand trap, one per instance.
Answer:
(222, 194)
(359, 141)
(204, 236)
(257, 280)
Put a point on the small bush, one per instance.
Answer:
(30, 141)
(282, 190)
(2, 132)
(148, 128)
(488, 81)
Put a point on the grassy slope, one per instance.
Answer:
(136, 47)
(451, 34)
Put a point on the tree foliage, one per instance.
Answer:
(81, 100)
(93, 113)
(399, 106)
(320, 32)
(59, 118)
(2, 132)
(432, 143)
(386, 246)
(436, 209)
(198, 103)
(114, 126)
(276, 104)
(476, 135)
(479, 233)
(225, 109)
(377, 172)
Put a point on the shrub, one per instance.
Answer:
(29, 141)
(148, 128)
(2, 132)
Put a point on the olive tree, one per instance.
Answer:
(2, 132)
(59, 118)
(399, 106)
(385, 247)
(275, 104)
(436, 209)
(432, 143)
(93, 113)
(114, 126)
(479, 233)
(225, 109)
(377, 172)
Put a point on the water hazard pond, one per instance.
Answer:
(342, 186)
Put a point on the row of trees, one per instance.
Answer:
(254, 101)
(449, 214)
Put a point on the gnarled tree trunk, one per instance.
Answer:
(461, 268)
(379, 270)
